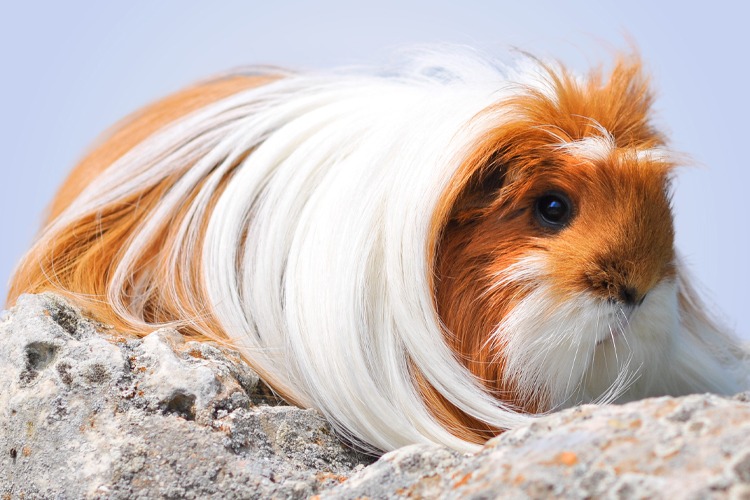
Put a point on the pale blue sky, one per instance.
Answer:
(70, 69)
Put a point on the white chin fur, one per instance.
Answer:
(586, 350)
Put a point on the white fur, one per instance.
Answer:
(596, 148)
(314, 259)
(655, 155)
(582, 349)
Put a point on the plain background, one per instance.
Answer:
(71, 69)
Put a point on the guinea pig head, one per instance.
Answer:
(555, 268)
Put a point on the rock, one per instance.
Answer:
(691, 447)
(89, 412)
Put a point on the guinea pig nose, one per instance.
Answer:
(617, 283)
(630, 296)
(627, 295)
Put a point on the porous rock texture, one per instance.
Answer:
(87, 412)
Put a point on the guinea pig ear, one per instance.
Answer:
(481, 190)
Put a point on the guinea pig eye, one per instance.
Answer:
(553, 210)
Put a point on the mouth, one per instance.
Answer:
(617, 324)
(610, 336)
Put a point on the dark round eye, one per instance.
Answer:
(553, 210)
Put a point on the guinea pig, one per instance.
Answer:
(434, 251)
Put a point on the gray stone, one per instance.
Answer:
(87, 412)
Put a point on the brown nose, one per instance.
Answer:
(615, 284)
(629, 295)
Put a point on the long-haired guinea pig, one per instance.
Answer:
(429, 252)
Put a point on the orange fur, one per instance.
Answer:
(137, 127)
(80, 261)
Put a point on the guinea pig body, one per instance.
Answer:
(426, 254)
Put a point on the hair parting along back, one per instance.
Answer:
(310, 221)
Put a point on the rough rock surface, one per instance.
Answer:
(691, 447)
(86, 412)
(98, 414)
